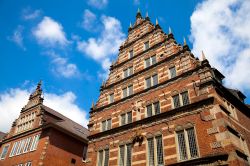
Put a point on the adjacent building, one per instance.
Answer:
(163, 106)
(42, 136)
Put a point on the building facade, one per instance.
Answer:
(42, 136)
(163, 106)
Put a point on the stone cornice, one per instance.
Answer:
(162, 115)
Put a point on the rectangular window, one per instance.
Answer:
(123, 119)
(129, 115)
(106, 157)
(125, 155)
(131, 54)
(151, 152)
(128, 72)
(172, 71)
(124, 92)
(159, 150)
(155, 79)
(106, 125)
(148, 82)
(34, 143)
(125, 73)
(111, 98)
(153, 109)
(130, 90)
(127, 91)
(27, 145)
(150, 61)
(185, 99)
(28, 163)
(176, 101)
(13, 150)
(100, 158)
(146, 45)
(4, 151)
(126, 118)
(187, 145)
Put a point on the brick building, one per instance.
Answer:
(163, 106)
(42, 136)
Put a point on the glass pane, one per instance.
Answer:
(129, 117)
(131, 54)
(192, 143)
(172, 72)
(100, 158)
(159, 150)
(4, 152)
(148, 82)
(151, 152)
(157, 107)
(103, 125)
(182, 145)
(109, 124)
(121, 158)
(155, 79)
(125, 73)
(146, 45)
(185, 98)
(123, 119)
(129, 149)
(149, 110)
(153, 58)
(176, 101)
(124, 92)
(111, 98)
(130, 90)
(106, 160)
(147, 62)
(130, 71)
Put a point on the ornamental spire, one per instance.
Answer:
(184, 41)
(138, 15)
(169, 30)
(203, 57)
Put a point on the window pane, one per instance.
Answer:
(149, 110)
(153, 58)
(192, 143)
(172, 72)
(148, 82)
(129, 117)
(111, 98)
(103, 125)
(185, 98)
(130, 90)
(4, 152)
(121, 158)
(147, 62)
(182, 145)
(129, 148)
(123, 119)
(146, 45)
(159, 150)
(100, 158)
(151, 152)
(130, 71)
(106, 160)
(13, 149)
(155, 79)
(131, 54)
(125, 73)
(176, 101)
(124, 92)
(109, 124)
(157, 107)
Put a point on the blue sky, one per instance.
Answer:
(70, 45)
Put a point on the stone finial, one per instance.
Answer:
(169, 30)
(203, 57)
(138, 10)
(130, 25)
(184, 41)
(93, 104)
(156, 22)
(138, 15)
(146, 14)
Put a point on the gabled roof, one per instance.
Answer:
(66, 124)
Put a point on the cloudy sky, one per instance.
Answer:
(70, 46)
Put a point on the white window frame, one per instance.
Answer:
(129, 71)
(127, 91)
(125, 154)
(150, 61)
(153, 108)
(187, 144)
(151, 80)
(106, 124)
(35, 142)
(126, 118)
(155, 150)
(4, 146)
(103, 157)
(29, 163)
(180, 99)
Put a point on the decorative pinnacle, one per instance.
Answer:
(156, 22)
(130, 25)
(138, 10)
(169, 30)
(93, 104)
(184, 41)
(203, 57)
(138, 15)
(147, 14)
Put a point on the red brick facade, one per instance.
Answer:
(200, 122)
(60, 141)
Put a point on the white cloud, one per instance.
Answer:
(98, 3)
(221, 29)
(13, 100)
(17, 37)
(89, 21)
(50, 33)
(104, 47)
(61, 66)
(29, 14)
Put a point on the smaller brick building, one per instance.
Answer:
(42, 136)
